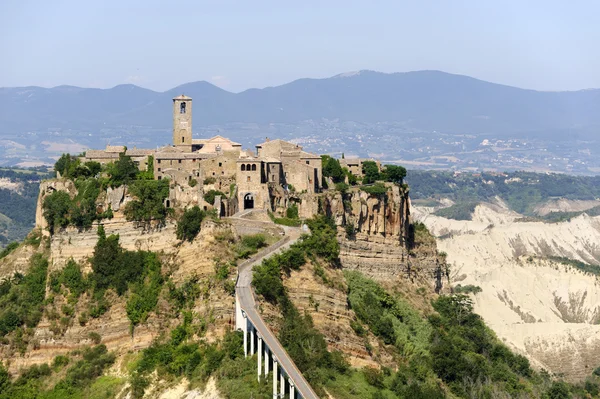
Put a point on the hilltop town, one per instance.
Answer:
(260, 179)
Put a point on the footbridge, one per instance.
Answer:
(288, 381)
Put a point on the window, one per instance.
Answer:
(180, 161)
(159, 169)
(248, 179)
(308, 162)
(220, 164)
(182, 108)
(254, 167)
(243, 167)
(182, 139)
(159, 177)
(248, 167)
(194, 160)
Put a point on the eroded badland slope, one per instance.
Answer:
(536, 301)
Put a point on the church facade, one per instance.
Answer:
(254, 177)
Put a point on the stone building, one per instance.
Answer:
(251, 179)
(354, 165)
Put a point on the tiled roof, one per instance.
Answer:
(101, 154)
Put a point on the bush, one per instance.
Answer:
(95, 337)
(122, 171)
(8, 249)
(193, 182)
(292, 212)
(149, 200)
(210, 180)
(467, 289)
(211, 194)
(378, 189)
(331, 168)
(394, 173)
(22, 298)
(370, 172)
(188, 225)
(56, 210)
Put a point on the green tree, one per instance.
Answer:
(370, 172)
(56, 210)
(394, 173)
(122, 171)
(66, 165)
(149, 200)
(331, 168)
(210, 195)
(188, 225)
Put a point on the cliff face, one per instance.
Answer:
(182, 261)
(380, 243)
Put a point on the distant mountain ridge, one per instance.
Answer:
(422, 100)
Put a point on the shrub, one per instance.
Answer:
(292, 212)
(122, 171)
(394, 173)
(193, 182)
(341, 187)
(211, 194)
(188, 225)
(56, 210)
(373, 376)
(467, 289)
(95, 337)
(8, 249)
(210, 180)
(21, 299)
(370, 172)
(331, 168)
(149, 200)
(378, 189)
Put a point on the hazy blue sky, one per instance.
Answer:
(540, 44)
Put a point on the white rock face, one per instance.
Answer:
(542, 308)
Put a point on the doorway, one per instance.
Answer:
(248, 201)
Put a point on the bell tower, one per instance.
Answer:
(182, 122)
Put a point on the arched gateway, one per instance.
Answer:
(248, 201)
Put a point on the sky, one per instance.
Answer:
(236, 45)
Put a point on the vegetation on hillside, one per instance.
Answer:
(522, 191)
(458, 211)
(91, 178)
(17, 206)
(188, 225)
(22, 297)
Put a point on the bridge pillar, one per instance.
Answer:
(246, 341)
(274, 378)
(251, 341)
(282, 377)
(266, 361)
(259, 357)
(292, 389)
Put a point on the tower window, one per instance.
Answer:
(182, 139)
(243, 167)
(253, 166)
(182, 108)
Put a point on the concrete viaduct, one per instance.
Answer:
(288, 381)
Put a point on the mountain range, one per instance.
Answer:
(421, 101)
